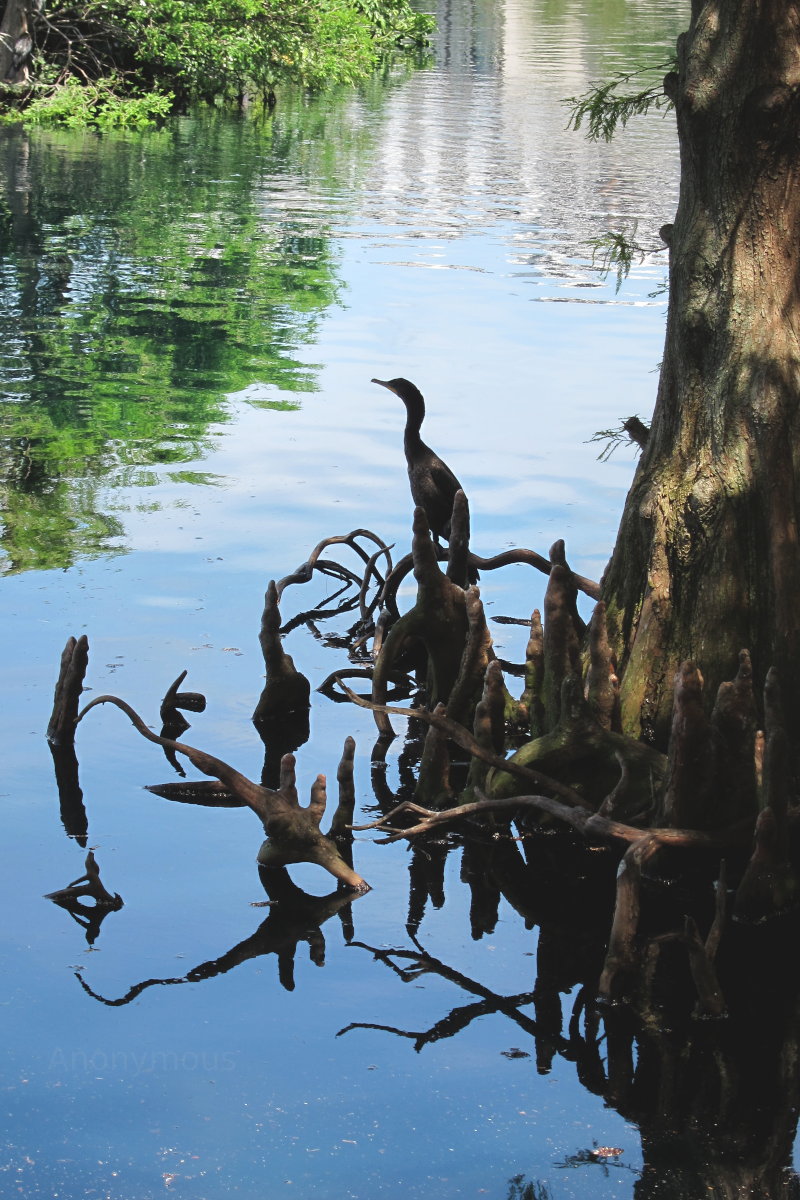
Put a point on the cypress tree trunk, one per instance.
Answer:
(14, 42)
(706, 560)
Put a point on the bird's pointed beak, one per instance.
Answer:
(384, 383)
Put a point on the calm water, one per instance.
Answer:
(192, 318)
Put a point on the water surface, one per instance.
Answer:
(192, 321)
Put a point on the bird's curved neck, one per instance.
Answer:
(415, 413)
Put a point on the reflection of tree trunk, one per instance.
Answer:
(717, 1102)
(14, 42)
(731, 1123)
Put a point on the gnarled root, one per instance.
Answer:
(590, 757)
(530, 558)
(293, 833)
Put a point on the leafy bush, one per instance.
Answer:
(128, 62)
(94, 105)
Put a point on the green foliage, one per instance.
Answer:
(94, 106)
(139, 59)
(134, 303)
(394, 21)
(611, 439)
(604, 109)
(616, 251)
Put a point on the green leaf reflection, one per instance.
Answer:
(143, 279)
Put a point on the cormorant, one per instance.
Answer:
(433, 484)
(20, 56)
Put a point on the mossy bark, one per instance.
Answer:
(706, 560)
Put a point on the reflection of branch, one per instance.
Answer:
(293, 918)
(456, 1020)
(89, 916)
(459, 1018)
(404, 684)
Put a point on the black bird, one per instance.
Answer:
(20, 55)
(433, 484)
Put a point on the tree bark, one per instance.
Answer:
(706, 560)
(14, 42)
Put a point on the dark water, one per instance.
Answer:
(191, 320)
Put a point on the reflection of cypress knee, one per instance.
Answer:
(70, 794)
(286, 691)
(484, 891)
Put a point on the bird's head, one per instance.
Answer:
(407, 391)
